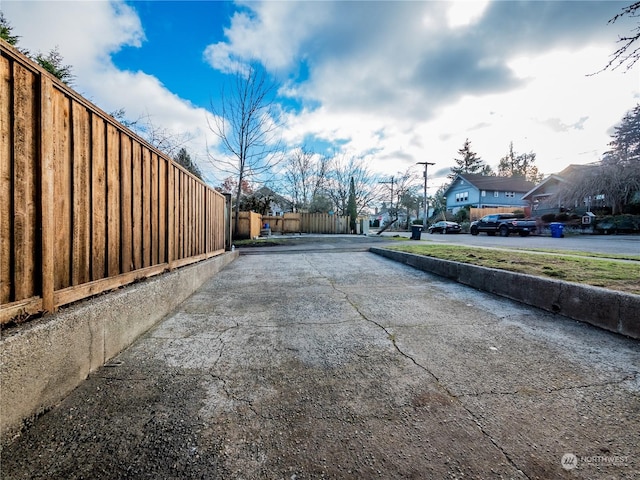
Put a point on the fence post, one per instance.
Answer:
(227, 222)
(47, 198)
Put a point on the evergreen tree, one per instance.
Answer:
(625, 145)
(52, 62)
(352, 209)
(468, 162)
(184, 159)
(5, 31)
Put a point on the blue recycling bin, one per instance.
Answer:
(557, 229)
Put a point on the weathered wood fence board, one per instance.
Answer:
(85, 204)
(478, 213)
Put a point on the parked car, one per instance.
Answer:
(444, 227)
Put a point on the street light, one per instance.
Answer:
(426, 208)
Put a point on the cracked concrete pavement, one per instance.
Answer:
(347, 365)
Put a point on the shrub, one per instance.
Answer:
(548, 217)
(562, 217)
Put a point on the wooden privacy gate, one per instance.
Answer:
(85, 204)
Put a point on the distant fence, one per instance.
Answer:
(250, 223)
(478, 213)
(86, 205)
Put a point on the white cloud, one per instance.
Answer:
(395, 82)
(87, 33)
(396, 79)
(464, 12)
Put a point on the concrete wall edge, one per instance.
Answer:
(42, 361)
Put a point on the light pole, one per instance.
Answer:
(426, 208)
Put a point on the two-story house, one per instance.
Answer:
(486, 191)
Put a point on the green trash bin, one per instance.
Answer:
(416, 232)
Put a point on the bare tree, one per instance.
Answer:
(628, 52)
(366, 185)
(246, 123)
(305, 176)
(612, 185)
(164, 139)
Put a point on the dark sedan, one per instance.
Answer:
(444, 227)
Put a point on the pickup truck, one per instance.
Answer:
(503, 224)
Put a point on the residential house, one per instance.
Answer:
(481, 191)
(278, 205)
(544, 198)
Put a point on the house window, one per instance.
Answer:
(496, 194)
(462, 197)
(510, 194)
(483, 193)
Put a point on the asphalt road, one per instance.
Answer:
(342, 364)
(618, 244)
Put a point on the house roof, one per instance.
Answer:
(564, 176)
(488, 182)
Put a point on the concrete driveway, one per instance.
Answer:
(347, 365)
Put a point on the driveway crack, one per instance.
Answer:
(392, 337)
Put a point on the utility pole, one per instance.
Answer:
(426, 207)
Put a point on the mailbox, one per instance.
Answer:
(587, 218)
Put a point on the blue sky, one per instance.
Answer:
(394, 83)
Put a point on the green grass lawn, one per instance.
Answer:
(579, 267)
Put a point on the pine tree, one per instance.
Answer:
(184, 159)
(468, 162)
(352, 210)
(5, 31)
(625, 143)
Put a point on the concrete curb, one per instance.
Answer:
(42, 362)
(607, 309)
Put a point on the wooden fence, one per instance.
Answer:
(250, 223)
(478, 213)
(85, 204)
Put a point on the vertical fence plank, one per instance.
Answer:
(98, 198)
(81, 247)
(25, 188)
(113, 201)
(24, 176)
(47, 191)
(181, 209)
(137, 206)
(146, 207)
(154, 209)
(6, 144)
(62, 188)
(126, 213)
(170, 214)
(163, 193)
